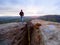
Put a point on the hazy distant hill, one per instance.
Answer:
(8, 19)
(54, 18)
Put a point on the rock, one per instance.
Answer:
(35, 32)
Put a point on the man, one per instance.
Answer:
(21, 14)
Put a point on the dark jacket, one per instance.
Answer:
(21, 13)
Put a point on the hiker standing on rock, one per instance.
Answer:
(21, 14)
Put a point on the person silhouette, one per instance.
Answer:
(21, 14)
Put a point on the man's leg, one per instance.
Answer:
(21, 18)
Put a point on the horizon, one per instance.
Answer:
(29, 7)
(32, 16)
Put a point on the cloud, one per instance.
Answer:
(30, 7)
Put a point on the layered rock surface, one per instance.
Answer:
(50, 32)
(35, 32)
(13, 34)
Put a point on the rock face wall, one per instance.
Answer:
(36, 36)
(18, 35)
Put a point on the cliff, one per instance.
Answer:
(35, 32)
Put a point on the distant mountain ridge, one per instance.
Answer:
(54, 18)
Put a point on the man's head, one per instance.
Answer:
(21, 11)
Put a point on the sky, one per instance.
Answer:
(29, 7)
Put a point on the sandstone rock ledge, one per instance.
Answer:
(50, 31)
(13, 34)
(35, 32)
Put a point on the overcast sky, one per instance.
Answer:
(30, 7)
